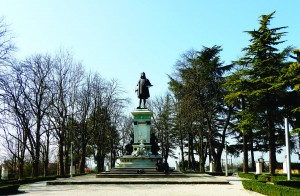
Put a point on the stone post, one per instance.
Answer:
(211, 167)
(4, 173)
(259, 168)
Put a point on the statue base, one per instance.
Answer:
(131, 161)
(141, 157)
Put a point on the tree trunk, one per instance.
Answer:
(217, 155)
(272, 152)
(201, 151)
(46, 159)
(61, 158)
(100, 163)
(251, 150)
(193, 154)
(272, 146)
(21, 169)
(218, 165)
(46, 163)
(36, 161)
(82, 159)
(245, 151)
(190, 143)
(209, 140)
(36, 158)
(35, 167)
(67, 161)
(245, 143)
(181, 148)
(182, 155)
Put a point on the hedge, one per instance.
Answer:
(248, 175)
(271, 178)
(27, 180)
(9, 189)
(290, 183)
(270, 189)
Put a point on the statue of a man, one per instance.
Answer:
(143, 89)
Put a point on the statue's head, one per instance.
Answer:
(143, 75)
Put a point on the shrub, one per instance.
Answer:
(270, 189)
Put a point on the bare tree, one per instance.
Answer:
(36, 72)
(163, 116)
(66, 76)
(126, 132)
(15, 118)
(84, 107)
(6, 44)
(107, 105)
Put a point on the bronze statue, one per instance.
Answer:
(143, 89)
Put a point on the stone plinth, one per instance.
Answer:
(142, 123)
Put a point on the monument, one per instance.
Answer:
(144, 150)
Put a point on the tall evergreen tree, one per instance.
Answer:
(197, 85)
(293, 96)
(262, 66)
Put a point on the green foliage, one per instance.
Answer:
(248, 175)
(198, 87)
(297, 130)
(259, 84)
(265, 178)
(270, 189)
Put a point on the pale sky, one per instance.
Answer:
(122, 38)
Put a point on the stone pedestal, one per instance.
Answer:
(259, 167)
(142, 123)
(129, 161)
(141, 156)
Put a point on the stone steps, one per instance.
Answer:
(144, 175)
(133, 170)
(139, 173)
